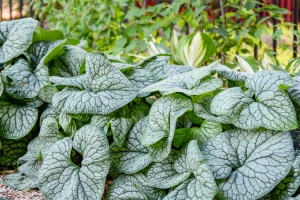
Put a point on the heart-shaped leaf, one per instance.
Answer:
(105, 89)
(15, 37)
(203, 186)
(271, 109)
(160, 130)
(198, 83)
(252, 161)
(133, 156)
(71, 181)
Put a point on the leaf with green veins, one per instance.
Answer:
(197, 83)
(272, 109)
(47, 35)
(67, 124)
(162, 123)
(16, 121)
(47, 92)
(252, 161)
(120, 127)
(202, 110)
(133, 156)
(12, 150)
(71, 181)
(26, 177)
(49, 134)
(289, 185)
(248, 64)
(42, 52)
(15, 37)
(127, 187)
(196, 48)
(101, 120)
(69, 64)
(203, 186)
(163, 174)
(33, 150)
(106, 90)
(225, 72)
(205, 132)
(140, 78)
(159, 67)
(26, 83)
(48, 112)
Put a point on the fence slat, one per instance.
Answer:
(10, 9)
(1, 10)
(21, 8)
(274, 29)
(295, 21)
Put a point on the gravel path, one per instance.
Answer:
(7, 193)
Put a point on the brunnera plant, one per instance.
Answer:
(71, 120)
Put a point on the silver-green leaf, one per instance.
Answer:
(271, 109)
(105, 89)
(252, 161)
(15, 37)
(71, 181)
(127, 187)
(133, 156)
(161, 126)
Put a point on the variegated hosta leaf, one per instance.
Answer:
(120, 127)
(156, 48)
(197, 83)
(268, 60)
(294, 91)
(164, 175)
(207, 130)
(195, 49)
(162, 123)
(252, 161)
(133, 156)
(202, 110)
(294, 66)
(69, 64)
(288, 186)
(127, 187)
(71, 181)
(203, 186)
(15, 37)
(159, 67)
(67, 124)
(230, 74)
(47, 92)
(271, 109)
(16, 121)
(248, 64)
(105, 89)
(12, 150)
